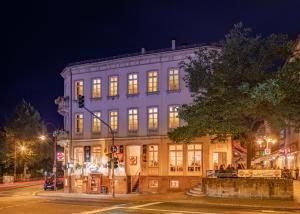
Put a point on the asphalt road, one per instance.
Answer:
(23, 200)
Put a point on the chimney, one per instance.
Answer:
(143, 50)
(173, 44)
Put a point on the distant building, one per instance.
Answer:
(138, 95)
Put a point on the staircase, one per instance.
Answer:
(135, 187)
(196, 191)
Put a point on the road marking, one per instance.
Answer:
(98, 210)
(145, 205)
(172, 211)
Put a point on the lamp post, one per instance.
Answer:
(54, 140)
(22, 148)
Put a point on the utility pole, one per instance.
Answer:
(54, 161)
(15, 162)
(81, 105)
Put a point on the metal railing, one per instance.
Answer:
(139, 53)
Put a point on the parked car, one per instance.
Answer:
(49, 183)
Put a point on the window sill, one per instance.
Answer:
(133, 95)
(132, 133)
(113, 97)
(152, 93)
(96, 98)
(152, 132)
(173, 91)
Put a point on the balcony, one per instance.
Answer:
(63, 105)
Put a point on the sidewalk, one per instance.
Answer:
(20, 184)
(181, 198)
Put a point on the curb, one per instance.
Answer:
(188, 201)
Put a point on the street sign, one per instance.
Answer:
(113, 149)
(267, 151)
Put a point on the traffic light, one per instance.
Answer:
(80, 101)
(115, 163)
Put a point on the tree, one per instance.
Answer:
(20, 136)
(238, 85)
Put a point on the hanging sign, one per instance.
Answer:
(87, 154)
(60, 156)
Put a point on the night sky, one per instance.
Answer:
(39, 39)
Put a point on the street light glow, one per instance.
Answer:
(23, 148)
(42, 137)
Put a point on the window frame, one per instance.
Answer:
(194, 152)
(168, 115)
(137, 84)
(75, 88)
(148, 128)
(168, 86)
(92, 88)
(118, 121)
(75, 123)
(137, 128)
(176, 159)
(147, 80)
(152, 166)
(92, 124)
(118, 86)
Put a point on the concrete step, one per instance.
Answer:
(195, 192)
(197, 188)
(194, 195)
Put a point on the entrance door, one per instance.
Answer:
(133, 160)
(133, 167)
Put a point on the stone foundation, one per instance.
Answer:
(259, 188)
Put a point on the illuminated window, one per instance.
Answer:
(174, 184)
(78, 155)
(219, 158)
(79, 123)
(153, 155)
(173, 80)
(78, 88)
(96, 88)
(96, 123)
(152, 81)
(113, 120)
(153, 183)
(194, 157)
(153, 118)
(96, 155)
(132, 119)
(176, 158)
(173, 117)
(132, 84)
(113, 86)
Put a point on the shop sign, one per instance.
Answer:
(269, 173)
(132, 160)
(87, 154)
(60, 156)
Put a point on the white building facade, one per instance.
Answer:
(139, 97)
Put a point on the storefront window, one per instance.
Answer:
(78, 155)
(176, 158)
(219, 158)
(194, 157)
(153, 156)
(96, 155)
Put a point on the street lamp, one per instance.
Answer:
(54, 140)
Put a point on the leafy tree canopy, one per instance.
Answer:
(22, 129)
(238, 84)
